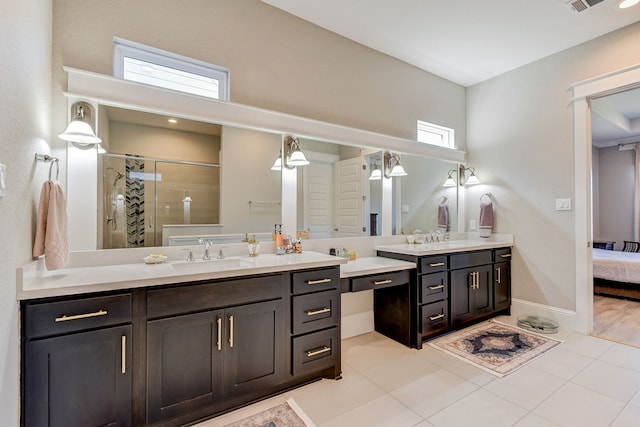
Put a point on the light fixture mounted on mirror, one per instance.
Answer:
(392, 166)
(376, 173)
(450, 181)
(79, 131)
(277, 165)
(293, 155)
(469, 179)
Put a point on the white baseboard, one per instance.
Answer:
(567, 319)
(357, 324)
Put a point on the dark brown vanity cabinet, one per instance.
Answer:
(77, 362)
(502, 279)
(471, 286)
(213, 342)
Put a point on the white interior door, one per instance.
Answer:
(349, 195)
(318, 194)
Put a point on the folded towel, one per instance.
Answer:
(51, 228)
(443, 217)
(486, 219)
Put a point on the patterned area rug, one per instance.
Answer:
(495, 347)
(287, 414)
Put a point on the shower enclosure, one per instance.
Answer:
(138, 195)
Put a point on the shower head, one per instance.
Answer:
(119, 175)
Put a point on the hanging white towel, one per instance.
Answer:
(443, 216)
(52, 239)
(486, 219)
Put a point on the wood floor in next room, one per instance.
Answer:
(585, 381)
(617, 319)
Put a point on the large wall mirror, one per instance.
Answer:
(177, 168)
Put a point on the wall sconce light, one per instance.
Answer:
(450, 181)
(471, 179)
(293, 154)
(79, 132)
(376, 173)
(392, 166)
(277, 165)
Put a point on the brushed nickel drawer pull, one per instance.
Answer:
(219, 340)
(231, 331)
(382, 282)
(436, 264)
(505, 256)
(319, 311)
(434, 287)
(437, 317)
(324, 349)
(499, 279)
(317, 282)
(65, 318)
(123, 364)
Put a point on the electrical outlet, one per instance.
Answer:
(472, 224)
(563, 204)
(405, 208)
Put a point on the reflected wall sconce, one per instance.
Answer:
(392, 166)
(79, 131)
(376, 173)
(450, 181)
(277, 165)
(468, 175)
(293, 155)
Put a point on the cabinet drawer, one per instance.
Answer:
(433, 264)
(435, 317)
(316, 351)
(61, 317)
(503, 254)
(384, 280)
(470, 259)
(434, 287)
(316, 280)
(205, 296)
(315, 311)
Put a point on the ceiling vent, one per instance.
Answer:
(577, 6)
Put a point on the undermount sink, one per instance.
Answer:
(208, 264)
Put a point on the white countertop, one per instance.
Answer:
(450, 246)
(373, 265)
(34, 281)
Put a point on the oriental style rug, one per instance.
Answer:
(495, 347)
(287, 414)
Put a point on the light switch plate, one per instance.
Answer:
(563, 204)
(3, 179)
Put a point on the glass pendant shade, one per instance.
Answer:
(277, 165)
(297, 158)
(473, 179)
(79, 131)
(376, 175)
(449, 182)
(398, 170)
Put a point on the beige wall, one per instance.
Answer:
(616, 187)
(520, 128)
(25, 128)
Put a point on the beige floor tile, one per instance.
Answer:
(398, 372)
(622, 355)
(635, 400)
(562, 363)
(616, 382)
(459, 367)
(586, 345)
(326, 399)
(434, 391)
(533, 420)
(527, 387)
(371, 350)
(480, 408)
(385, 411)
(628, 417)
(573, 405)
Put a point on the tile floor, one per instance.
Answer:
(586, 381)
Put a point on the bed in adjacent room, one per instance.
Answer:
(616, 273)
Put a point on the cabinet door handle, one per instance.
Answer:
(436, 264)
(434, 287)
(436, 317)
(317, 282)
(318, 311)
(123, 364)
(505, 256)
(231, 331)
(219, 340)
(499, 279)
(317, 351)
(382, 282)
(65, 318)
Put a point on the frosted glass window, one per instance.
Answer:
(148, 65)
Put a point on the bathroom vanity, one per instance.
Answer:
(178, 343)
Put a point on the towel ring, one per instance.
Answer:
(489, 195)
(55, 161)
(444, 199)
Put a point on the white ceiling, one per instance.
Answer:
(465, 41)
(469, 41)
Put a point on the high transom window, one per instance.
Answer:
(146, 64)
(430, 133)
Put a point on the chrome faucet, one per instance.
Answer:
(207, 245)
(220, 253)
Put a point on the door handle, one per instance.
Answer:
(219, 340)
(230, 331)
(382, 282)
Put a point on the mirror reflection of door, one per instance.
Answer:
(349, 195)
